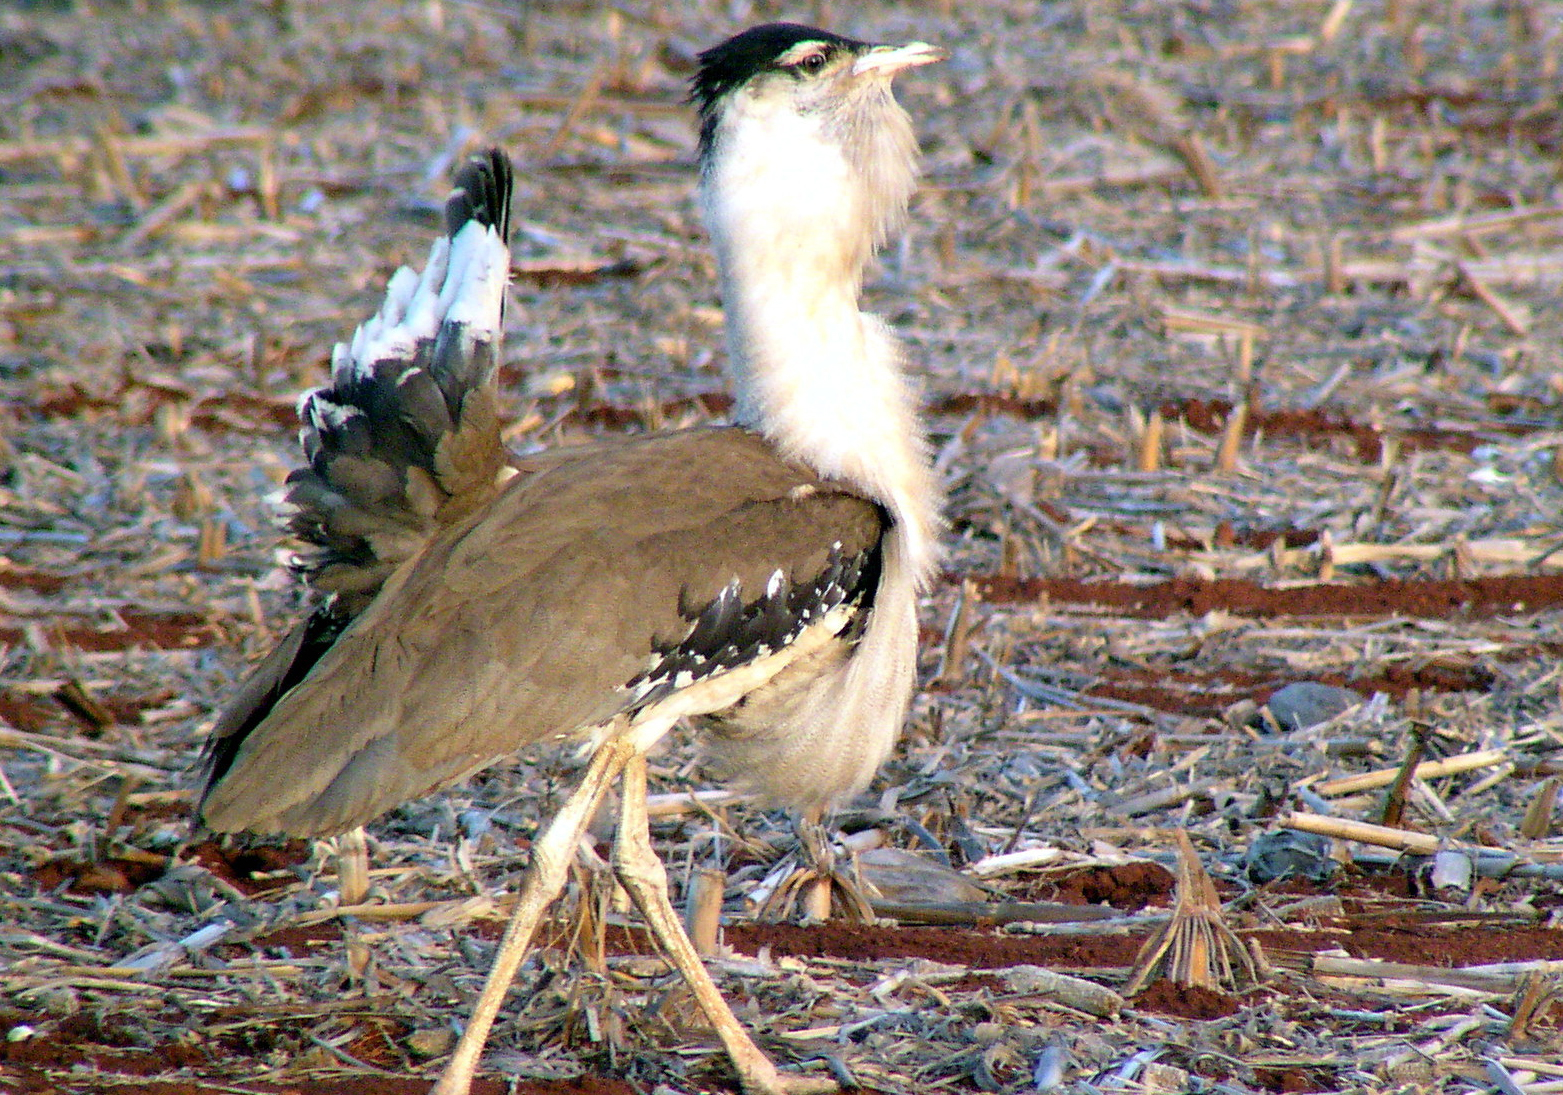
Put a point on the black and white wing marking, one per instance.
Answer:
(729, 632)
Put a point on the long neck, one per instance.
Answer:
(819, 378)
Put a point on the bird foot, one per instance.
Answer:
(816, 896)
(761, 1077)
(824, 882)
(793, 1085)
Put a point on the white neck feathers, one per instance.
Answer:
(795, 203)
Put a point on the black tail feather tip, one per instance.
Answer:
(482, 193)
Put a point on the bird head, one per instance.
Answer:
(801, 139)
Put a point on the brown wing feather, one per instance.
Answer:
(405, 440)
(528, 620)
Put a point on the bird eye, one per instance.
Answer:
(812, 63)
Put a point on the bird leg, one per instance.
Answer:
(352, 867)
(646, 879)
(545, 878)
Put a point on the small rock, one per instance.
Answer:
(907, 878)
(1449, 875)
(985, 1034)
(1072, 992)
(475, 824)
(431, 1042)
(1051, 1067)
(1287, 853)
(1307, 703)
(1157, 1077)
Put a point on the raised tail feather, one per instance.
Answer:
(406, 436)
(403, 440)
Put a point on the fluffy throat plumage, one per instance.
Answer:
(840, 188)
(793, 233)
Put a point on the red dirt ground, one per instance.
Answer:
(1209, 416)
(1191, 692)
(1429, 599)
(1363, 929)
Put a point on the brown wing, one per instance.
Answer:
(403, 441)
(537, 617)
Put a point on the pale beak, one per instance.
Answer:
(888, 60)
